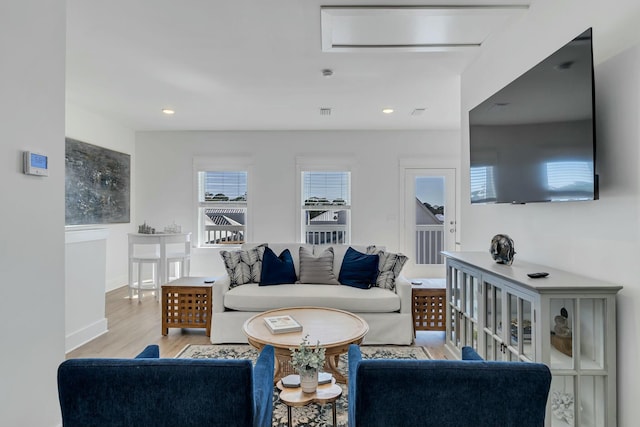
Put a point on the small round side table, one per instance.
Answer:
(295, 397)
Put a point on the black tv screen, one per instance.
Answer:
(534, 140)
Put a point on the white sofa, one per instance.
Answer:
(388, 313)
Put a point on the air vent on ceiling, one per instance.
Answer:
(324, 111)
(418, 111)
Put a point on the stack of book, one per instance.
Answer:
(282, 324)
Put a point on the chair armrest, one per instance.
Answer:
(354, 357)
(469, 353)
(263, 387)
(220, 287)
(403, 289)
(150, 352)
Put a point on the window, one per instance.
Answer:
(326, 206)
(222, 207)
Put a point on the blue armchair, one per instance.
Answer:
(154, 392)
(446, 393)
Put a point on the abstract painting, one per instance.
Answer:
(97, 184)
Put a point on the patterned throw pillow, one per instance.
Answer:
(243, 266)
(389, 267)
(317, 270)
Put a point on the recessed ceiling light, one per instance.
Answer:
(387, 110)
(168, 111)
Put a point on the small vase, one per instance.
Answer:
(309, 380)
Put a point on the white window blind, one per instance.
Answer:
(326, 187)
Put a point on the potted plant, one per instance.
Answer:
(307, 360)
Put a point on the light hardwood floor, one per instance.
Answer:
(133, 325)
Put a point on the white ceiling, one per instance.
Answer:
(257, 64)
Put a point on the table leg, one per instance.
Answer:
(335, 418)
(331, 363)
(289, 416)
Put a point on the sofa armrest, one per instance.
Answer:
(220, 287)
(403, 289)
(469, 353)
(263, 387)
(354, 357)
(150, 352)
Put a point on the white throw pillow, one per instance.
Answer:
(244, 266)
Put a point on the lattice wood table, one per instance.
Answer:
(186, 303)
(429, 309)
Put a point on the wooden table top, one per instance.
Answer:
(294, 396)
(331, 327)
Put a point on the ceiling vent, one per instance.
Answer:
(418, 111)
(325, 111)
(454, 28)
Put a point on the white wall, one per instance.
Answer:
(164, 177)
(85, 277)
(32, 48)
(598, 238)
(94, 129)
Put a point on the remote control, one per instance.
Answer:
(538, 275)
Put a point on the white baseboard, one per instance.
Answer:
(117, 282)
(84, 335)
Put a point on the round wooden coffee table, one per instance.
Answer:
(334, 329)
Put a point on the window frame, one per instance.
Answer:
(221, 164)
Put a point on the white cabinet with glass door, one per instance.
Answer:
(462, 306)
(565, 321)
(508, 329)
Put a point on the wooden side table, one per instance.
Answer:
(186, 303)
(295, 397)
(429, 309)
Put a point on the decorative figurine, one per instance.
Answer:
(502, 249)
(561, 335)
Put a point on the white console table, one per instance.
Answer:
(565, 321)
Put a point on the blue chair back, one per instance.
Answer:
(446, 393)
(158, 392)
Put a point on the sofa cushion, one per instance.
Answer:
(339, 251)
(243, 266)
(294, 248)
(277, 269)
(255, 298)
(389, 267)
(317, 269)
(358, 270)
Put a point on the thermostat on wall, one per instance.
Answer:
(36, 164)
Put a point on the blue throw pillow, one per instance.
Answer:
(358, 270)
(277, 270)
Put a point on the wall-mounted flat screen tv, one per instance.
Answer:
(534, 140)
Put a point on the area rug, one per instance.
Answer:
(312, 415)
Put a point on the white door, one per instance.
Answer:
(429, 220)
